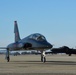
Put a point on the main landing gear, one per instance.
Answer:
(7, 56)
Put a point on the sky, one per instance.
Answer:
(55, 19)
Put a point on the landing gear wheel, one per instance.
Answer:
(69, 54)
(44, 59)
(8, 59)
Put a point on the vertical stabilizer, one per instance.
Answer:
(16, 31)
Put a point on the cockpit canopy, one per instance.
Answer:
(37, 37)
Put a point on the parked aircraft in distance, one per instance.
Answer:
(32, 42)
(64, 49)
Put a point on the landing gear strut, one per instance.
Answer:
(7, 56)
(43, 57)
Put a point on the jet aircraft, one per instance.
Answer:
(64, 49)
(34, 41)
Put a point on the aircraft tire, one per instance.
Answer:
(44, 59)
(41, 59)
(8, 59)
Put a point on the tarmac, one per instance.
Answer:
(60, 64)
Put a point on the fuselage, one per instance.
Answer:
(32, 42)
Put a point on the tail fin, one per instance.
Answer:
(16, 31)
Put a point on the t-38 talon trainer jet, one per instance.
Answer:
(32, 42)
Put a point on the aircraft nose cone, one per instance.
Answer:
(49, 45)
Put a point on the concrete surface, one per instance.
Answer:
(30, 65)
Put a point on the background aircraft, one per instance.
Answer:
(32, 42)
(64, 49)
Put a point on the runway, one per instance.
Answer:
(30, 64)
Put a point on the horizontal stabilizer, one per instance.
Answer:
(3, 47)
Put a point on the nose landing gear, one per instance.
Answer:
(43, 56)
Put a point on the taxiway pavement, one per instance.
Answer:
(30, 64)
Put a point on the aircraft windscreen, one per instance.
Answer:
(38, 37)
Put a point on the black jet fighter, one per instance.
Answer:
(32, 42)
(64, 49)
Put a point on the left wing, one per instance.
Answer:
(3, 47)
